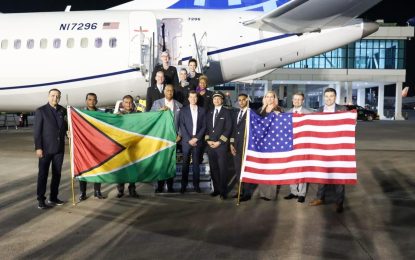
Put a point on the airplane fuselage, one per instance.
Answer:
(111, 53)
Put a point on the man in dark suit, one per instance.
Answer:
(237, 144)
(192, 126)
(219, 130)
(49, 134)
(155, 91)
(330, 107)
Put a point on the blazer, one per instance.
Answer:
(49, 135)
(186, 124)
(159, 103)
(303, 110)
(170, 75)
(223, 126)
(153, 93)
(336, 108)
(238, 133)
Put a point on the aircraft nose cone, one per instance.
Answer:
(369, 28)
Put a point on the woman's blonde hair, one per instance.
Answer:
(275, 104)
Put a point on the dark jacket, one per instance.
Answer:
(170, 75)
(223, 126)
(186, 124)
(238, 133)
(50, 130)
(153, 94)
(336, 108)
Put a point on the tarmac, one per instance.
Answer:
(378, 221)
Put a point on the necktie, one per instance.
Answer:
(214, 117)
(240, 116)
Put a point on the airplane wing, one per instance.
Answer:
(299, 16)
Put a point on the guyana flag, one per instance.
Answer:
(109, 148)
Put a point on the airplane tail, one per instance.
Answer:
(236, 5)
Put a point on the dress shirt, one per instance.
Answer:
(193, 110)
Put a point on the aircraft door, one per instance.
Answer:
(170, 37)
(143, 31)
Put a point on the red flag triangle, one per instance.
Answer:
(92, 147)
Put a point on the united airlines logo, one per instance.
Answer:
(241, 5)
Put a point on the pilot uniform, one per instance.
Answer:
(219, 128)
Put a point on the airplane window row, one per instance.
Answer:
(57, 43)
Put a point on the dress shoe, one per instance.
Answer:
(171, 190)
(290, 196)
(120, 194)
(197, 189)
(301, 199)
(182, 190)
(98, 195)
(244, 198)
(159, 190)
(316, 202)
(235, 196)
(42, 205)
(82, 197)
(265, 198)
(214, 194)
(339, 208)
(133, 193)
(223, 197)
(56, 202)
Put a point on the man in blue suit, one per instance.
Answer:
(192, 126)
(49, 134)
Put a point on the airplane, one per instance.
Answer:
(112, 52)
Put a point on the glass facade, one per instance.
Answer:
(363, 54)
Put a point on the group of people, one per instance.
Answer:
(202, 124)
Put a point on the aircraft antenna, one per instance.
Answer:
(68, 8)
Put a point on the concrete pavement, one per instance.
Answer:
(378, 221)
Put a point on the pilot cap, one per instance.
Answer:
(218, 94)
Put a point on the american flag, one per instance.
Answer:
(289, 148)
(111, 25)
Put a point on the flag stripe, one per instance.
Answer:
(325, 146)
(346, 158)
(324, 123)
(323, 140)
(325, 135)
(296, 180)
(263, 171)
(325, 129)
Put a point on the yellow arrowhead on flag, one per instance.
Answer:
(137, 147)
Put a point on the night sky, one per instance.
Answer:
(391, 11)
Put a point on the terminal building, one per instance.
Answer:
(359, 72)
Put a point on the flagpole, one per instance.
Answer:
(243, 155)
(68, 108)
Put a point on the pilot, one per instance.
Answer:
(219, 130)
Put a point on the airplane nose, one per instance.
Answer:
(369, 28)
